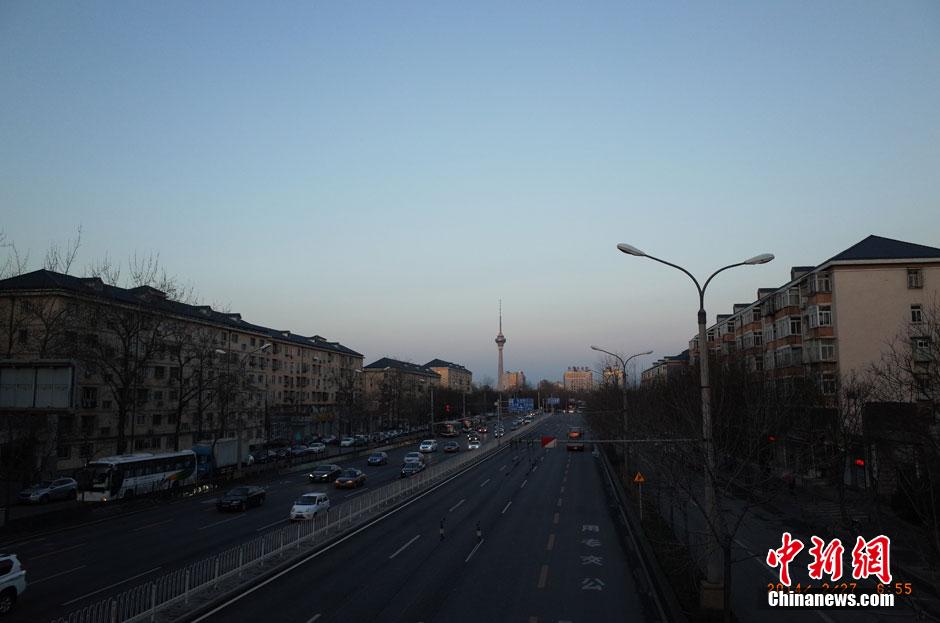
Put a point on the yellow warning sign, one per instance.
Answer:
(639, 479)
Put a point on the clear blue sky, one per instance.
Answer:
(381, 173)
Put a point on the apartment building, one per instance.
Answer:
(399, 391)
(513, 381)
(578, 379)
(135, 370)
(665, 368)
(831, 321)
(452, 375)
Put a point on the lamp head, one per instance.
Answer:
(629, 249)
(763, 258)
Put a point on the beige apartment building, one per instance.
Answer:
(578, 379)
(833, 320)
(513, 381)
(452, 375)
(398, 392)
(665, 368)
(90, 370)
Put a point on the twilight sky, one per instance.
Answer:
(381, 173)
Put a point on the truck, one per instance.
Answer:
(218, 458)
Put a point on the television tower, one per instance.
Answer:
(500, 342)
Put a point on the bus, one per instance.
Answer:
(128, 475)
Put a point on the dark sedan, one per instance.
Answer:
(325, 473)
(378, 458)
(410, 469)
(350, 479)
(451, 446)
(241, 498)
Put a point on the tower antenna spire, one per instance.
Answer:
(500, 315)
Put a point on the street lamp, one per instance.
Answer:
(623, 364)
(711, 509)
(228, 374)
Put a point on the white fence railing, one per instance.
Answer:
(173, 594)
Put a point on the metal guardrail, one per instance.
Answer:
(146, 601)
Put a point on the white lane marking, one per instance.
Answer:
(342, 540)
(483, 484)
(543, 576)
(58, 551)
(506, 508)
(219, 523)
(523, 483)
(502, 468)
(125, 580)
(314, 618)
(455, 506)
(151, 525)
(535, 468)
(266, 526)
(355, 493)
(473, 551)
(402, 548)
(55, 575)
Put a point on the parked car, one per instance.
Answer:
(473, 444)
(428, 445)
(414, 457)
(297, 451)
(12, 582)
(378, 458)
(241, 499)
(308, 505)
(360, 440)
(410, 469)
(451, 446)
(499, 432)
(325, 473)
(330, 440)
(49, 490)
(316, 448)
(263, 456)
(347, 442)
(350, 479)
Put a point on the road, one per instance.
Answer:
(547, 550)
(67, 569)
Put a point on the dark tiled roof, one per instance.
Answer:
(404, 366)
(156, 301)
(878, 248)
(440, 363)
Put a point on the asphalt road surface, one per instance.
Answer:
(527, 536)
(71, 568)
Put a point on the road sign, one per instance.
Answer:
(639, 478)
(549, 442)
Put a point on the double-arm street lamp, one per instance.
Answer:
(714, 577)
(623, 365)
(228, 374)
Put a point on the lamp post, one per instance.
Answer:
(714, 567)
(228, 374)
(623, 364)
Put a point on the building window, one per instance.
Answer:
(828, 384)
(915, 278)
(157, 419)
(921, 349)
(820, 283)
(796, 327)
(917, 314)
(159, 372)
(89, 397)
(23, 336)
(827, 350)
(63, 452)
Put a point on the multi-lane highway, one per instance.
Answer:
(528, 535)
(69, 568)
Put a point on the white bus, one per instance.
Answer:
(128, 475)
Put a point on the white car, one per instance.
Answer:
(308, 505)
(473, 444)
(347, 442)
(316, 448)
(413, 457)
(12, 582)
(428, 445)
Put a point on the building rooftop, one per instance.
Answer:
(440, 363)
(879, 248)
(156, 301)
(404, 366)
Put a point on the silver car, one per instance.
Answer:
(49, 490)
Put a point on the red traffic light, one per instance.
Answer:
(771, 438)
(860, 462)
